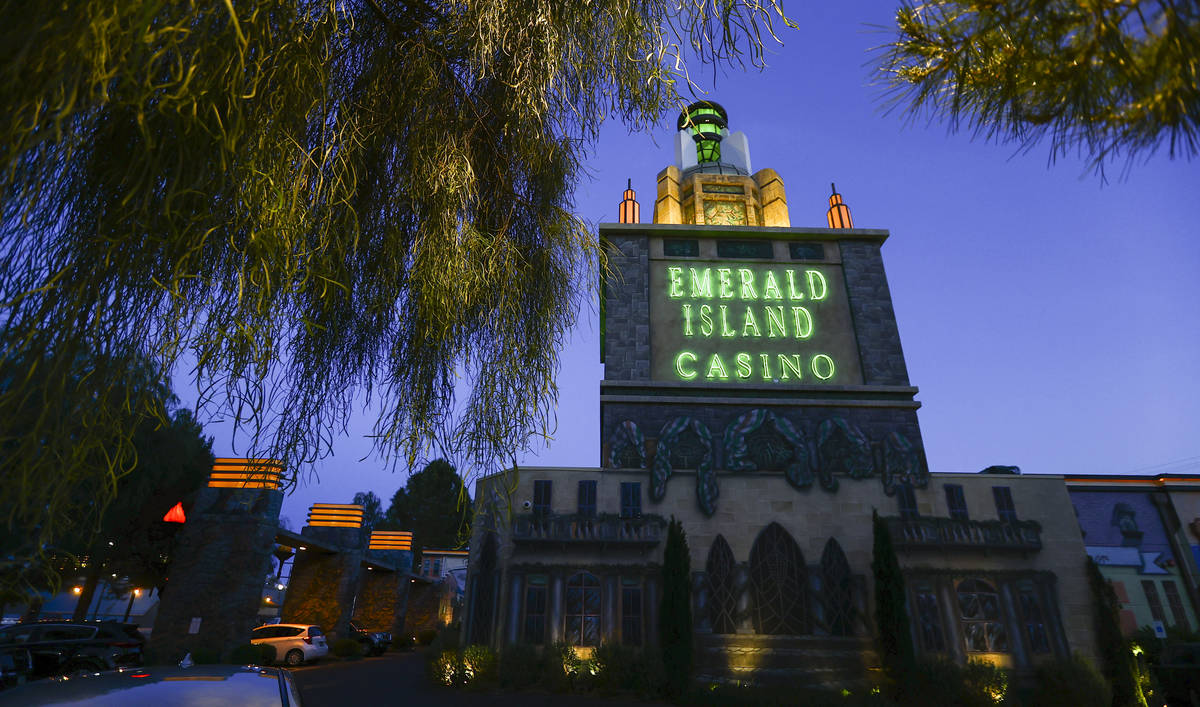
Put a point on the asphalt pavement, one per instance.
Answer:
(399, 678)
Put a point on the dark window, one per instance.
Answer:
(956, 502)
(631, 499)
(1035, 623)
(908, 501)
(264, 632)
(1125, 518)
(723, 188)
(19, 634)
(1151, 591)
(680, 248)
(745, 249)
(535, 609)
(929, 619)
(541, 497)
(837, 590)
(806, 251)
(583, 610)
(631, 612)
(312, 631)
(587, 498)
(1176, 605)
(1004, 504)
(720, 571)
(979, 611)
(66, 633)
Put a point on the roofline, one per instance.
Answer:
(1158, 481)
(879, 235)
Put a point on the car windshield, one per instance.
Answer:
(16, 634)
(66, 633)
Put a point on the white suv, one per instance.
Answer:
(293, 643)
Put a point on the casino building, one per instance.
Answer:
(755, 388)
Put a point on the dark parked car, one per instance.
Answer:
(58, 647)
(15, 665)
(197, 686)
(1178, 673)
(373, 642)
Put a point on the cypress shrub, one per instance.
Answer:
(1115, 658)
(1068, 682)
(675, 612)
(891, 615)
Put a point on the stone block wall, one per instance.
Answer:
(428, 605)
(874, 318)
(216, 574)
(324, 583)
(383, 597)
(627, 309)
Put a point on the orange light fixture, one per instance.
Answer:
(239, 473)
(336, 515)
(630, 210)
(77, 590)
(838, 214)
(390, 540)
(175, 515)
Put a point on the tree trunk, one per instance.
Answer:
(91, 580)
(32, 611)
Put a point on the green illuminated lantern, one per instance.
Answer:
(705, 120)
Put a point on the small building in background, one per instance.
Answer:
(437, 563)
(1144, 533)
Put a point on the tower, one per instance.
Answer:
(734, 341)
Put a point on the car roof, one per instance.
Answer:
(288, 626)
(246, 685)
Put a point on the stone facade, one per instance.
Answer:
(216, 577)
(753, 501)
(325, 580)
(755, 389)
(382, 600)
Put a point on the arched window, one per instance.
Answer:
(979, 612)
(722, 592)
(583, 610)
(778, 583)
(837, 592)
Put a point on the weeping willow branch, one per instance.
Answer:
(313, 203)
(1105, 78)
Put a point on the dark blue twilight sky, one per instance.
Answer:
(1049, 320)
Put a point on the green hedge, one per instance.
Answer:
(1068, 682)
(347, 648)
(250, 654)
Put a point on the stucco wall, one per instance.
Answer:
(752, 500)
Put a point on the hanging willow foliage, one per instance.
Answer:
(309, 204)
(1104, 77)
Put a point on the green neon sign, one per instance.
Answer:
(751, 323)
